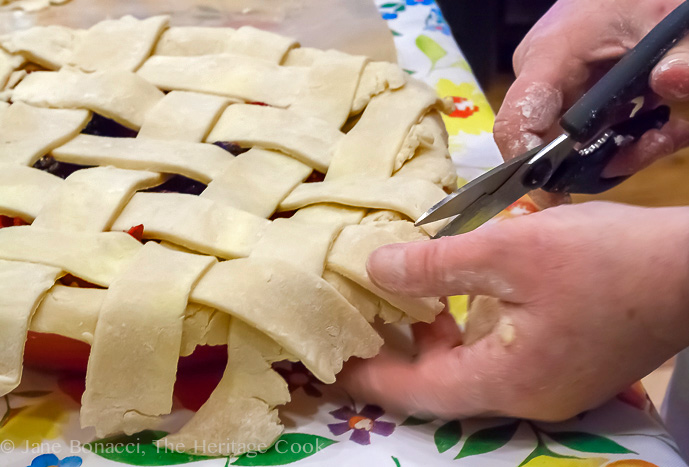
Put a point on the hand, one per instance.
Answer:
(586, 300)
(566, 52)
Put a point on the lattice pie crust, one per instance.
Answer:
(217, 265)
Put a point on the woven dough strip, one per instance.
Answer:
(216, 267)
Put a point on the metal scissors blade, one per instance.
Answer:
(483, 198)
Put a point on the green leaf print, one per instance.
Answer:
(138, 449)
(542, 450)
(396, 461)
(413, 421)
(588, 442)
(430, 48)
(488, 440)
(448, 435)
(289, 448)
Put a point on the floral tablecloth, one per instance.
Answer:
(39, 424)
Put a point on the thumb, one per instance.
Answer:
(670, 78)
(476, 263)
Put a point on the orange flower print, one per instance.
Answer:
(464, 108)
(471, 114)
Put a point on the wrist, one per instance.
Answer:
(669, 298)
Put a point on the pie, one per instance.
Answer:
(28, 5)
(164, 188)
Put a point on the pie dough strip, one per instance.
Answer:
(95, 257)
(183, 116)
(69, 312)
(196, 223)
(73, 312)
(22, 286)
(307, 139)
(27, 133)
(48, 46)
(198, 161)
(133, 362)
(284, 240)
(376, 78)
(411, 197)
(193, 40)
(203, 326)
(352, 248)
(260, 44)
(330, 86)
(119, 44)
(370, 148)
(430, 159)
(8, 63)
(303, 56)
(25, 190)
(293, 308)
(324, 213)
(120, 95)
(246, 78)
(429, 131)
(89, 200)
(257, 181)
(240, 414)
(368, 304)
(246, 40)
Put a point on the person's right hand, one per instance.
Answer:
(566, 52)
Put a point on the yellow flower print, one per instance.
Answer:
(35, 423)
(631, 463)
(472, 113)
(459, 308)
(547, 461)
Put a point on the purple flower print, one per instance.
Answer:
(362, 423)
(297, 376)
(419, 2)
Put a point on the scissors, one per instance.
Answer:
(609, 116)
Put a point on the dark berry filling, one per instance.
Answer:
(282, 215)
(315, 177)
(179, 184)
(231, 147)
(102, 126)
(61, 169)
(7, 221)
(74, 281)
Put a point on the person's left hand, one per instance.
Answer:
(586, 300)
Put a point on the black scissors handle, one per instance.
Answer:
(627, 80)
(581, 171)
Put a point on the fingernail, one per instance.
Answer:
(670, 76)
(387, 267)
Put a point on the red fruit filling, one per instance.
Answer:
(137, 232)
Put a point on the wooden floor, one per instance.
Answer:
(665, 183)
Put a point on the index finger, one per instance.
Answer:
(445, 383)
